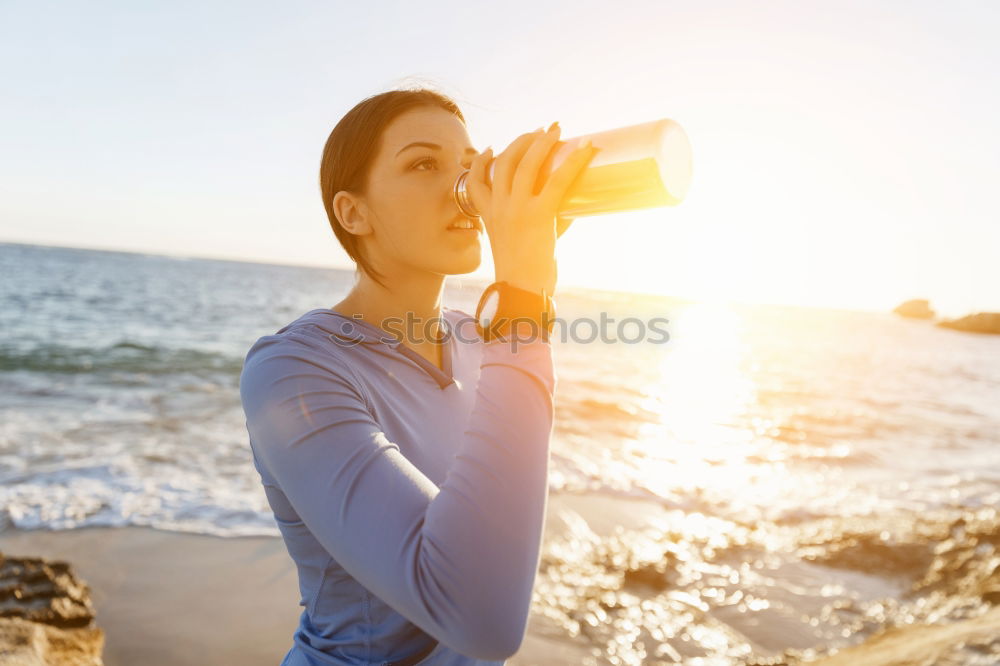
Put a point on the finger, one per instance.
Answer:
(507, 162)
(528, 174)
(563, 177)
(477, 182)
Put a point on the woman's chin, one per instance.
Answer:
(465, 262)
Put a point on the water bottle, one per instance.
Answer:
(640, 166)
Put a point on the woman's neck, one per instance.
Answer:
(404, 308)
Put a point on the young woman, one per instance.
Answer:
(406, 464)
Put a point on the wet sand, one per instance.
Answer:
(170, 598)
(954, 644)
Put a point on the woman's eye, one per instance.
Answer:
(424, 161)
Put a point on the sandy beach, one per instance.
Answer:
(162, 597)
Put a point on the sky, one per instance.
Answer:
(845, 154)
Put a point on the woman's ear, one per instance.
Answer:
(352, 213)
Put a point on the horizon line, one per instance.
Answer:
(568, 286)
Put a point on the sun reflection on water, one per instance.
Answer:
(701, 392)
(752, 500)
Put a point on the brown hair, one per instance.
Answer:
(351, 148)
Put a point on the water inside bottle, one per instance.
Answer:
(637, 167)
(615, 188)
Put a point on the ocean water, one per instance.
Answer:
(811, 475)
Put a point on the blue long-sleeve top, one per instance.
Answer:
(411, 498)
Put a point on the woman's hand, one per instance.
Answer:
(521, 223)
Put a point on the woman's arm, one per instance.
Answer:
(459, 561)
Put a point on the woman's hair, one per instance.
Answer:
(351, 148)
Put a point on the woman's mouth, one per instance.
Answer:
(467, 225)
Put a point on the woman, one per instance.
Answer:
(407, 472)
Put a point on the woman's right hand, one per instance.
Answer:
(520, 222)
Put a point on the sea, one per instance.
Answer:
(811, 476)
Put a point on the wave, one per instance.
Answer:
(124, 356)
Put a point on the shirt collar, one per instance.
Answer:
(358, 331)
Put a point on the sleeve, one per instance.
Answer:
(458, 561)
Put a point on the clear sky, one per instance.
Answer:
(846, 154)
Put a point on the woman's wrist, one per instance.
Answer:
(534, 287)
(526, 281)
(522, 330)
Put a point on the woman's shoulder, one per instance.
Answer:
(308, 338)
(297, 355)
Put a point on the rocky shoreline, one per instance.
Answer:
(979, 322)
(46, 615)
(950, 607)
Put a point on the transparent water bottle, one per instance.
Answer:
(635, 167)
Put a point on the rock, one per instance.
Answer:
(981, 322)
(46, 615)
(659, 576)
(969, 641)
(915, 309)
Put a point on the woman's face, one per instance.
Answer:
(410, 203)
